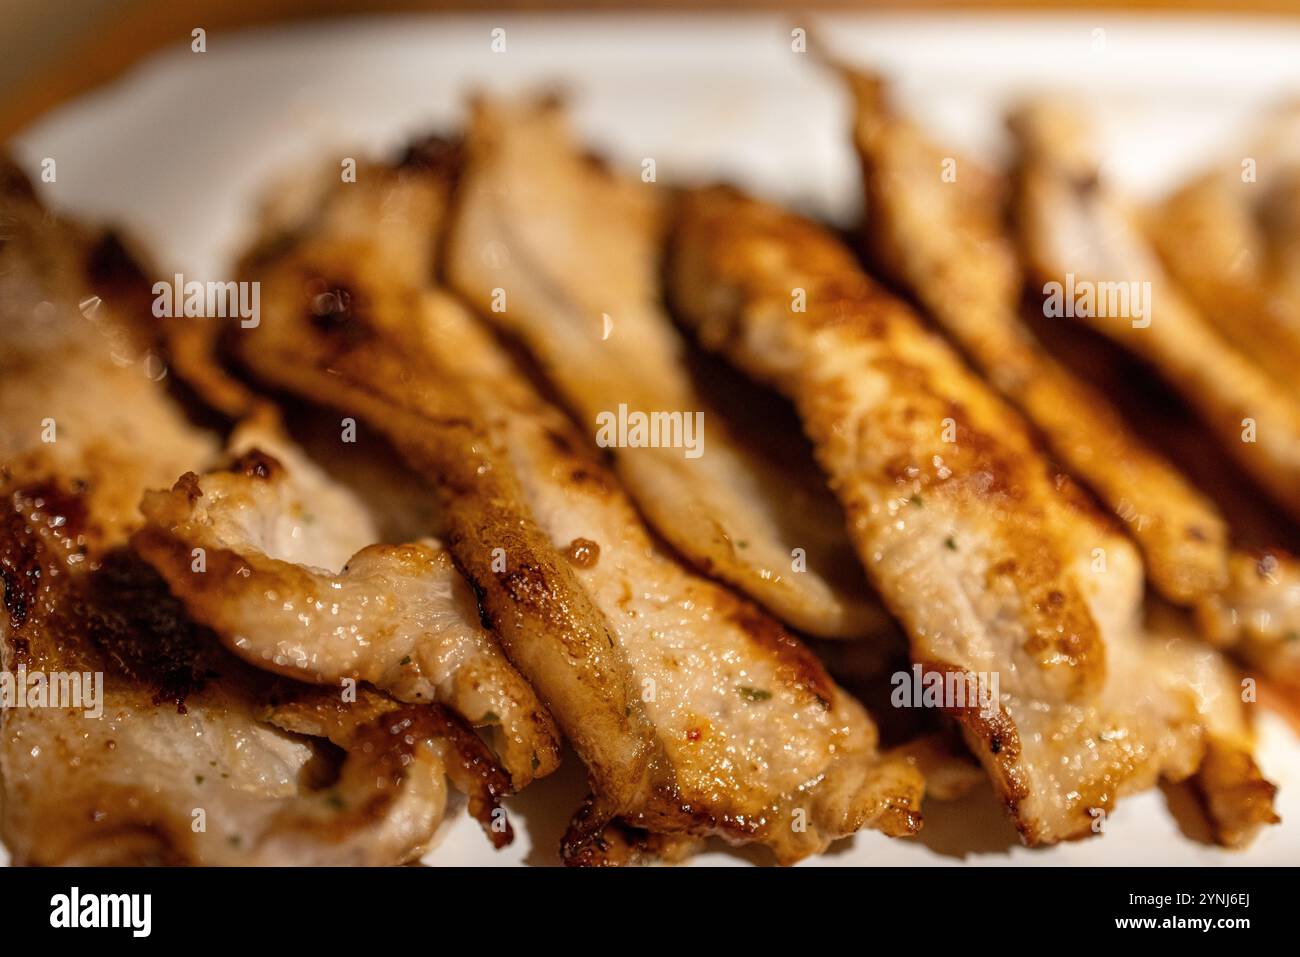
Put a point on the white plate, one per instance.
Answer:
(178, 150)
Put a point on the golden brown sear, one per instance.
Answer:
(994, 564)
(184, 754)
(563, 255)
(695, 713)
(944, 239)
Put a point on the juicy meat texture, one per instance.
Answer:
(695, 713)
(993, 563)
(564, 255)
(293, 581)
(1072, 225)
(945, 241)
(188, 763)
(195, 757)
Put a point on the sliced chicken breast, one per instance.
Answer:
(995, 565)
(695, 712)
(285, 567)
(564, 255)
(1076, 233)
(185, 754)
(943, 238)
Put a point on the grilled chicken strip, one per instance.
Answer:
(1231, 239)
(188, 763)
(1258, 614)
(1237, 798)
(194, 756)
(292, 581)
(1074, 230)
(695, 713)
(992, 563)
(563, 255)
(1233, 244)
(943, 238)
(1071, 225)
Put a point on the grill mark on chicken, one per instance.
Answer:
(1092, 706)
(570, 244)
(516, 481)
(945, 241)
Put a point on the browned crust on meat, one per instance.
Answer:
(619, 844)
(948, 243)
(977, 543)
(118, 618)
(456, 427)
(1238, 799)
(1008, 480)
(535, 600)
(389, 735)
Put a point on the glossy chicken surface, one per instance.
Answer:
(565, 255)
(193, 757)
(389, 551)
(295, 582)
(945, 239)
(989, 558)
(695, 712)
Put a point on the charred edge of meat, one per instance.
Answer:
(619, 844)
(994, 739)
(1235, 811)
(126, 609)
(472, 768)
(587, 842)
(122, 607)
(22, 563)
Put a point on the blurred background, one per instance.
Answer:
(178, 146)
(51, 50)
